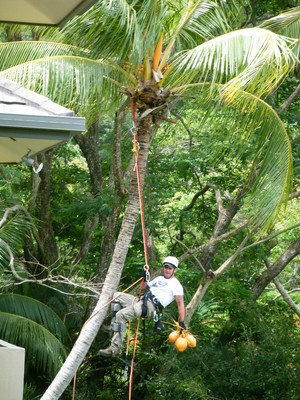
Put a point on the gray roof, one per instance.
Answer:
(31, 123)
(42, 12)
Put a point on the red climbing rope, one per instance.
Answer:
(140, 191)
(139, 180)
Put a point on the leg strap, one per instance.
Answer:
(115, 307)
(144, 307)
(118, 327)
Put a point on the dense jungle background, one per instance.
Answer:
(203, 193)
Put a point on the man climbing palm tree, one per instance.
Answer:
(159, 294)
(149, 53)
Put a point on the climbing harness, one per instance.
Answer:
(149, 296)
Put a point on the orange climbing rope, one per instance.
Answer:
(146, 267)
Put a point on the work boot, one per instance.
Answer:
(109, 352)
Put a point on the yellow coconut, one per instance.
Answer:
(181, 343)
(191, 340)
(173, 336)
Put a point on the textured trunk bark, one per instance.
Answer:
(198, 296)
(90, 329)
(49, 252)
(111, 222)
(275, 269)
(211, 247)
(225, 217)
(89, 146)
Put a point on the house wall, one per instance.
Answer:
(12, 359)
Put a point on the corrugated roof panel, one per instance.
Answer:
(31, 123)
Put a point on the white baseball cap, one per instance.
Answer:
(172, 261)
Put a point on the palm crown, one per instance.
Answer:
(153, 51)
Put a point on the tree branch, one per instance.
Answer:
(195, 197)
(184, 125)
(213, 242)
(289, 101)
(276, 268)
(230, 260)
(188, 250)
(283, 292)
(271, 237)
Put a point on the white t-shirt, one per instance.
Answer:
(165, 289)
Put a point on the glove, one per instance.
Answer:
(182, 325)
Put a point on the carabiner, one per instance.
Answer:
(146, 268)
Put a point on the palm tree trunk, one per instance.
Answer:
(90, 329)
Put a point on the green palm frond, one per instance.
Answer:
(254, 124)
(253, 60)
(15, 53)
(286, 24)
(233, 12)
(118, 29)
(34, 310)
(189, 24)
(184, 20)
(208, 20)
(43, 349)
(14, 226)
(84, 81)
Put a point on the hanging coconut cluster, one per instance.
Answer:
(182, 338)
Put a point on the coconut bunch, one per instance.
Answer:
(182, 338)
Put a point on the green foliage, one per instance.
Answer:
(34, 310)
(15, 226)
(244, 351)
(18, 317)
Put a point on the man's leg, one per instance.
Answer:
(132, 310)
(129, 313)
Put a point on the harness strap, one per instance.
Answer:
(150, 296)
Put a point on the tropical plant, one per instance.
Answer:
(152, 53)
(31, 324)
(166, 54)
(14, 226)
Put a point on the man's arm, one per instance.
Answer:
(180, 305)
